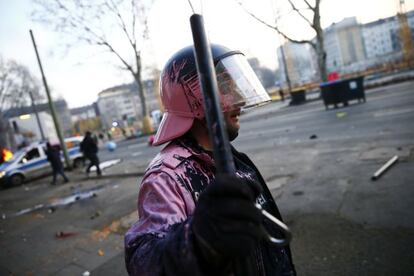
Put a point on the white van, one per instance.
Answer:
(31, 162)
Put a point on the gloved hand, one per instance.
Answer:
(226, 222)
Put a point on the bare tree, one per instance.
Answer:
(314, 23)
(97, 23)
(16, 82)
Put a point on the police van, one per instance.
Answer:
(31, 162)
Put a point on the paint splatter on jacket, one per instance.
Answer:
(161, 241)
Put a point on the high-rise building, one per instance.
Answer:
(382, 37)
(349, 46)
(121, 105)
(343, 44)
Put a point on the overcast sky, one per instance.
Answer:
(79, 74)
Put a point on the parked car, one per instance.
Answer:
(31, 162)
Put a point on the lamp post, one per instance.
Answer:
(52, 107)
(42, 134)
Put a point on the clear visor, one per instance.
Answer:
(238, 84)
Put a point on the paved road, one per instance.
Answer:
(342, 222)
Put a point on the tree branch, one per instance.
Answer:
(15, 81)
(300, 13)
(309, 5)
(274, 27)
(82, 20)
(115, 10)
(112, 50)
(133, 7)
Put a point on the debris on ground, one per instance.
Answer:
(51, 207)
(100, 252)
(106, 231)
(385, 167)
(86, 273)
(341, 114)
(313, 136)
(39, 216)
(64, 235)
(298, 193)
(96, 214)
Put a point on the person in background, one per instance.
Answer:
(89, 149)
(282, 95)
(53, 156)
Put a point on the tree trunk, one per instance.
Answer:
(321, 56)
(146, 120)
(141, 90)
(320, 47)
(141, 94)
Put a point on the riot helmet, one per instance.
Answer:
(182, 97)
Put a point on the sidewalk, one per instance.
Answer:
(68, 229)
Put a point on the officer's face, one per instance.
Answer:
(232, 123)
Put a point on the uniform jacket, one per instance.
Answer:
(161, 241)
(53, 156)
(89, 146)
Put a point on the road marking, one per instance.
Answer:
(137, 153)
(392, 112)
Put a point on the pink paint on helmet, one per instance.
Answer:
(182, 101)
(182, 97)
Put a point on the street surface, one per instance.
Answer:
(318, 164)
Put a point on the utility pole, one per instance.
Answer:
(42, 134)
(52, 107)
(285, 68)
(282, 50)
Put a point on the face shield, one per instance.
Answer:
(238, 85)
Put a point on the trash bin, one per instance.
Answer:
(297, 96)
(342, 91)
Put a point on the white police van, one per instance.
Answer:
(31, 162)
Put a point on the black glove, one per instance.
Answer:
(225, 222)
